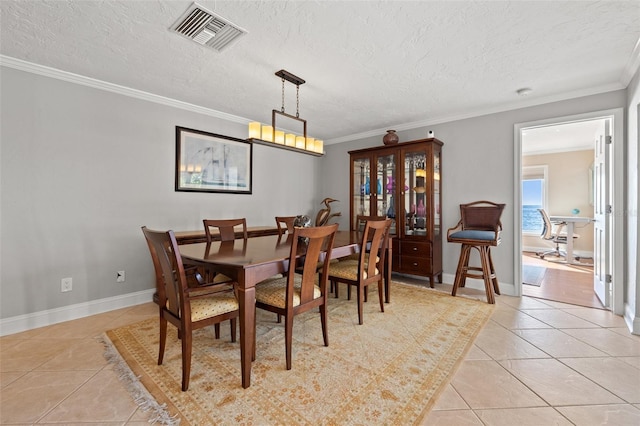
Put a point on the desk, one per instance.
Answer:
(570, 221)
(249, 262)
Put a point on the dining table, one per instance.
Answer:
(252, 260)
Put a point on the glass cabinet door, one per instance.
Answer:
(386, 187)
(361, 188)
(436, 194)
(414, 202)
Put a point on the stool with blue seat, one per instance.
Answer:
(479, 227)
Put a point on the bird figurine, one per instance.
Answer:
(324, 215)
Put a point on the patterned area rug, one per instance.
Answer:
(533, 275)
(387, 371)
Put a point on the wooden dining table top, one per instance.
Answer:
(261, 250)
(248, 262)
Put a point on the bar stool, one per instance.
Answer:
(479, 228)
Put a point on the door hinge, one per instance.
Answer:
(608, 139)
(609, 209)
(608, 278)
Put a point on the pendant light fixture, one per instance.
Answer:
(275, 136)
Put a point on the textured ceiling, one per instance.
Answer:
(369, 65)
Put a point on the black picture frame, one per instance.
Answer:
(209, 162)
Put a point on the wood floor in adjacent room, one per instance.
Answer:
(564, 283)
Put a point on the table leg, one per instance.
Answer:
(387, 278)
(570, 243)
(247, 302)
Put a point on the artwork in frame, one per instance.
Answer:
(208, 162)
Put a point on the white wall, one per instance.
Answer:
(83, 169)
(632, 297)
(477, 164)
(568, 186)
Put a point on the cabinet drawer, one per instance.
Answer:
(414, 265)
(410, 248)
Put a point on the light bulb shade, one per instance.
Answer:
(300, 142)
(319, 145)
(279, 137)
(311, 144)
(267, 133)
(290, 139)
(254, 130)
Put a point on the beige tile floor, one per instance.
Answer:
(536, 363)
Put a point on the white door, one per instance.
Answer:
(602, 216)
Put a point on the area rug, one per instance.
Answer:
(389, 370)
(533, 275)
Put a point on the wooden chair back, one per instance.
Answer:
(316, 243)
(481, 216)
(171, 281)
(226, 228)
(375, 239)
(285, 224)
(361, 221)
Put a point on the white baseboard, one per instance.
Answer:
(508, 289)
(633, 322)
(20, 323)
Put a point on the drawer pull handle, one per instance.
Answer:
(415, 249)
(415, 264)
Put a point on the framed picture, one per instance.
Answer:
(207, 162)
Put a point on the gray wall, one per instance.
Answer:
(632, 260)
(477, 164)
(83, 169)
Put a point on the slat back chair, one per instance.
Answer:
(285, 224)
(479, 228)
(185, 307)
(303, 289)
(226, 227)
(369, 268)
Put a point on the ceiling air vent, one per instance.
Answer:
(206, 28)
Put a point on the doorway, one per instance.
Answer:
(569, 142)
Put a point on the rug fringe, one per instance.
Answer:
(141, 396)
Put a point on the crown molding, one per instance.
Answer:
(480, 112)
(19, 64)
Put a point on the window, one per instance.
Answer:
(534, 189)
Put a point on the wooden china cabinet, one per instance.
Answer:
(403, 182)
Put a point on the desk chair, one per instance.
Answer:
(479, 228)
(555, 235)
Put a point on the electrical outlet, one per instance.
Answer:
(66, 284)
(120, 277)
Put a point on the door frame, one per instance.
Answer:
(617, 218)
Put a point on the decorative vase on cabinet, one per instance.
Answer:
(391, 138)
(414, 205)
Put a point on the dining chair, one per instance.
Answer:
(362, 272)
(302, 290)
(228, 230)
(187, 308)
(361, 221)
(479, 228)
(285, 224)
